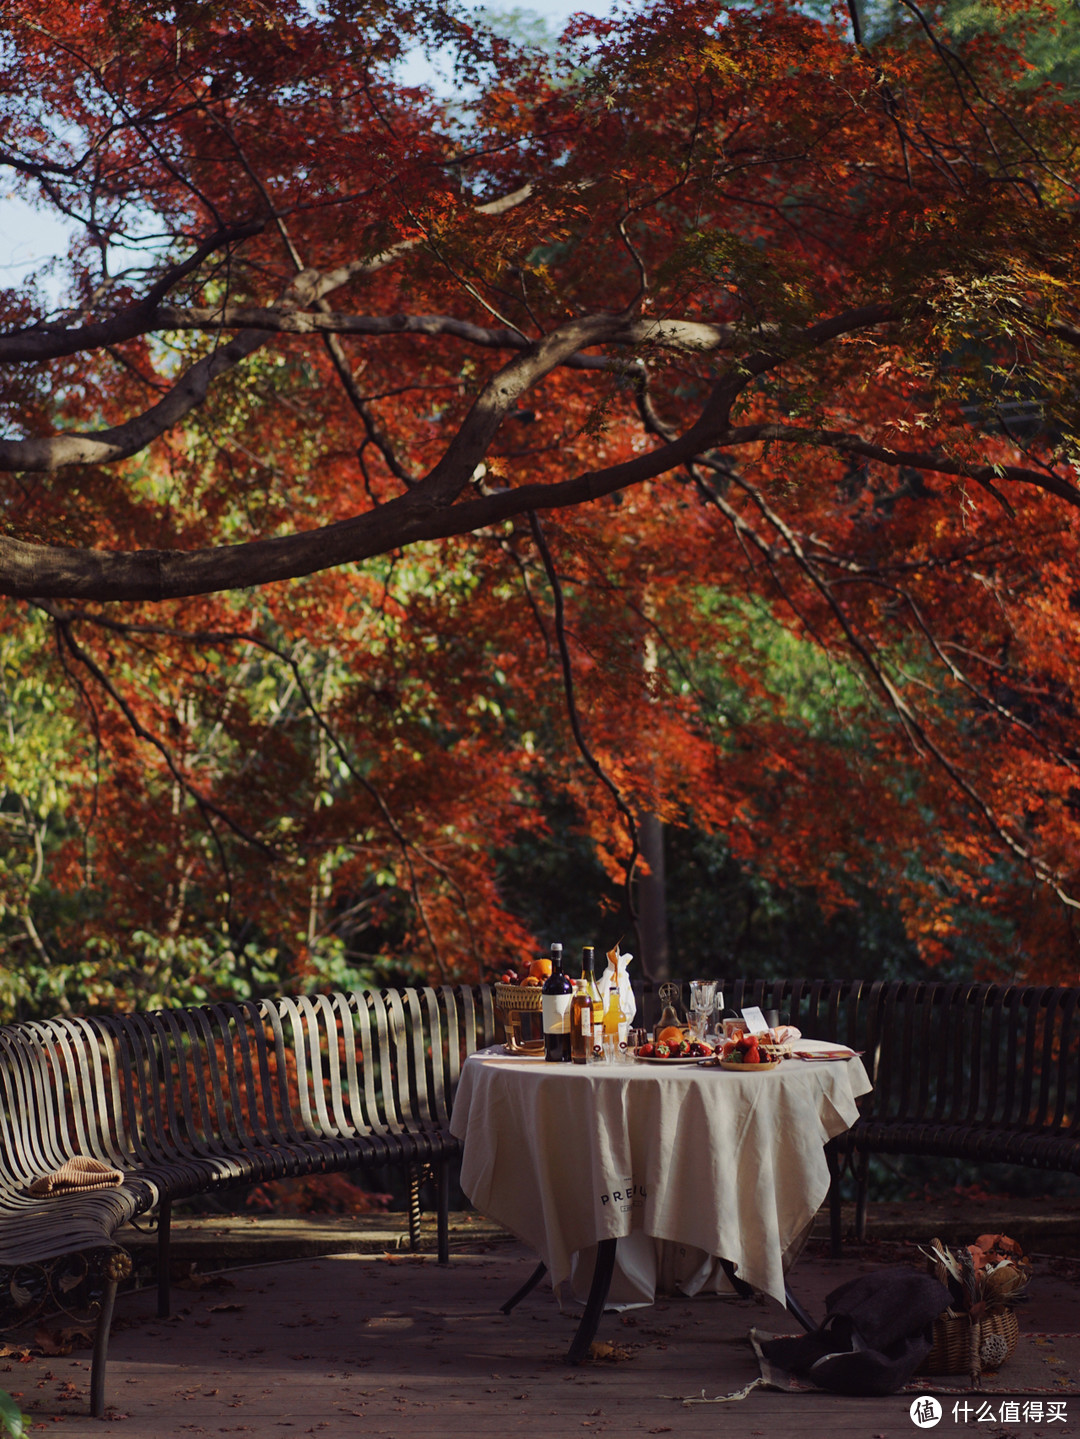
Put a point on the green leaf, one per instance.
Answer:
(11, 1416)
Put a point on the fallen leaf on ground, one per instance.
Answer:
(50, 1343)
(609, 1353)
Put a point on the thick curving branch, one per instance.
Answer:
(120, 442)
(425, 512)
(432, 509)
(37, 343)
(146, 318)
(51, 342)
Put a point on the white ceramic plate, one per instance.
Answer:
(669, 1059)
(826, 1054)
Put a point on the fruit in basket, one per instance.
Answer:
(745, 1050)
(531, 982)
(540, 969)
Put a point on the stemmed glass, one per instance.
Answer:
(702, 1004)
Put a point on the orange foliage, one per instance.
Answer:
(774, 332)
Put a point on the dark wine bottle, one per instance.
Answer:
(556, 998)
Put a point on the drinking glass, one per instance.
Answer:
(702, 1003)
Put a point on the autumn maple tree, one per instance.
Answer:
(681, 421)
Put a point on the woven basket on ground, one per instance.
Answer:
(961, 1347)
(515, 1000)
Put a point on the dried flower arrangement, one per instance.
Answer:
(979, 1331)
(987, 1274)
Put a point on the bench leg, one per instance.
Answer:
(862, 1187)
(836, 1228)
(415, 1175)
(164, 1234)
(442, 1179)
(117, 1267)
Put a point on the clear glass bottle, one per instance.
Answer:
(556, 996)
(588, 970)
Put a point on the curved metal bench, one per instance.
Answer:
(182, 1101)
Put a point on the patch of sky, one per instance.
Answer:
(35, 240)
(536, 27)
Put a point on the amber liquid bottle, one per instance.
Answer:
(615, 1022)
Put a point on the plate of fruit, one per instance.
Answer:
(673, 1046)
(748, 1055)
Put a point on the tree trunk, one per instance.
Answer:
(652, 900)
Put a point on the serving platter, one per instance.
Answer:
(826, 1054)
(668, 1058)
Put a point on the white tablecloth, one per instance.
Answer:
(728, 1164)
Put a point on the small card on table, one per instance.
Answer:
(755, 1020)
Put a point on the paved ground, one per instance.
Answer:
(393, 1346)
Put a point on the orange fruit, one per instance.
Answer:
(540, 969)
(671, 1035)
(532, 981)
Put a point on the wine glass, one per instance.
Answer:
(702, 1003)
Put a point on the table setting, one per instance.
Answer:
(697, 1171)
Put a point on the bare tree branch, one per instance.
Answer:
(206, 806)
(934, 460)
(49, 342)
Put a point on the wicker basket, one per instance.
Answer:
(514, 1001)
(958, 1344)
(775, 1052)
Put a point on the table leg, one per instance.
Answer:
(590, 1320)
(740, 1286)
(527, 1288)
(795, 1309)
(744, 1291)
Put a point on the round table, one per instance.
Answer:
(730, 1165)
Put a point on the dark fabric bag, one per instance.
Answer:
(878, 1329)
